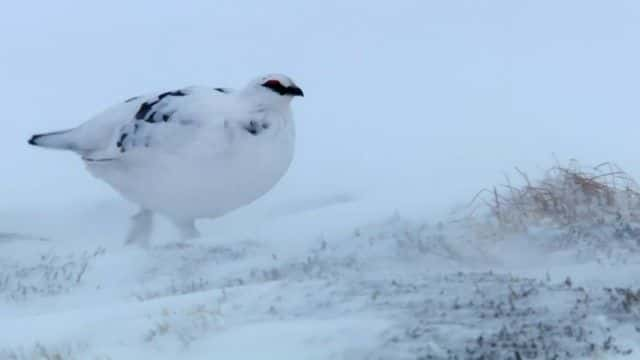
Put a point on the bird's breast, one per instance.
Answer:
(218, 172)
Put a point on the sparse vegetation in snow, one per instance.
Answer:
(590, 206)
(566, 195)
(185, 325)
(64, 351)
(50, 274)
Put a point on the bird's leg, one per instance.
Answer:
(140, 230)
(187, 228)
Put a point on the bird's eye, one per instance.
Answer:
(272, 83)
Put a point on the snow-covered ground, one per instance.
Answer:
(320, 279)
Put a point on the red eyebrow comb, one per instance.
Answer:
(272, 82)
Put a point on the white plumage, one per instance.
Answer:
(189, 153)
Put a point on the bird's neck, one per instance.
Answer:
(269, 105)
(258, 98)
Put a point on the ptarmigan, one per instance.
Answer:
(190, 153)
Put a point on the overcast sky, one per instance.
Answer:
(428, 100)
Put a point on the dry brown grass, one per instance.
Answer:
(566, 195)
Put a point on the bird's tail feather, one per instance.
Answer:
(62, 140)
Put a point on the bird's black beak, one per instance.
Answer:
(294, 91)
(277, 86)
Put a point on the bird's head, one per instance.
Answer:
(274, 89)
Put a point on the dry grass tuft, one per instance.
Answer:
(566, 195)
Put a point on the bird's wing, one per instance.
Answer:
(163, 122)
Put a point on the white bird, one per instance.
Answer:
(190, 153)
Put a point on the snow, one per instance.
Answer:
(409, 111)
(398, 287)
